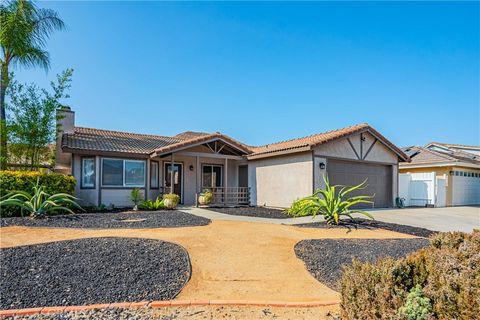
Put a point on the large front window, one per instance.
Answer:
(123, 173)
(211, 176)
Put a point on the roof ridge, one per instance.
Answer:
(364, 124)
(127, 133)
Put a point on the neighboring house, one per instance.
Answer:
(449, 174)
(108, 164)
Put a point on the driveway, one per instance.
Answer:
(438, 219)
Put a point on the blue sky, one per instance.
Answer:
(264, 72)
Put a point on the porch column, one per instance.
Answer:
(225, 194)
(198, 173)
(172, 173)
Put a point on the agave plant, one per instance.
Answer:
(40, 203)
(330, 203)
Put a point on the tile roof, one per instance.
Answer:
(321, 138)
(421, 155)
(89, 139)
(114, 141)
(455, 145)
(190, 135)
(201, 139)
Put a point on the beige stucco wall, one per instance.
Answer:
(276, 182)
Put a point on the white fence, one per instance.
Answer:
(422, 189)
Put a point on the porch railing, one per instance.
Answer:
(227, 196)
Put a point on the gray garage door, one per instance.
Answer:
(379, 179)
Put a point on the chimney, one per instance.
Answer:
(65, 124)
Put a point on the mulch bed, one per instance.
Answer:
(259, 212)
(90, 271)
(324, 258)
(121, 220)
(359, 223)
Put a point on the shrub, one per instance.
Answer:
(332, 202)
(152, 205)
(39, 203)
(171, 200)
(26, 180)
(417, 306)
(135, 196)
(448, 272)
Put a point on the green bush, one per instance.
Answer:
(171, 200)
(417, 306)
(53, 183)
(152, 205)
(448, 272)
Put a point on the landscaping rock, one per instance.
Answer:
(259, 212)
(92, 271)
(360, 223)
(324, 258)
(121, 220)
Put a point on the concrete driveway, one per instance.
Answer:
(438, 219)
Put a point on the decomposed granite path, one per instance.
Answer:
(231, 260)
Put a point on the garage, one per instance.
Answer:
(378, 176)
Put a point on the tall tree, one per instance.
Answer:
(24, 29)
(31, 119)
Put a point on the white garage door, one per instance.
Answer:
(466, 189)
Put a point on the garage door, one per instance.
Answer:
(466, 189)
(379, 179)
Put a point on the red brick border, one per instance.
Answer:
(166, 303)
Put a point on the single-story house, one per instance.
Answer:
(455, 169)
(108, 164)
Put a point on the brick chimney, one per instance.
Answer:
(65, 124)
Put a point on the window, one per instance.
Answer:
(88, 173)
(211, 176)
(154, 175)
(123, 173)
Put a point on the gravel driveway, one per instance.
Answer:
(120, 220)
(324, 258)
(90, 271)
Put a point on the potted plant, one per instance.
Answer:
(205, 197)
(171, 200)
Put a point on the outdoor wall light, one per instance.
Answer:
(322, 165)
(191, 167)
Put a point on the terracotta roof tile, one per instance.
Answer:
(114, 141)
(190, 135)
(203, 138)
(321, 138)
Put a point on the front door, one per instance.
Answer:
(177, 178)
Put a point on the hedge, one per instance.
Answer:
(438, 282)
(26, 180)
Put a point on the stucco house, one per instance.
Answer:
(456, 170)
(108, 164)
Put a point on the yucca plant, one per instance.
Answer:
(331, 204)
(40, 203)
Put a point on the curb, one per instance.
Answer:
(163, 304)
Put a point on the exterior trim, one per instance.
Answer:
(370, 148)
(439, 164)
(94, 172)
(279, 153)
(158, 175)
(355, 160)
(353, 148)
(111, 154)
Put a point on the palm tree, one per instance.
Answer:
(24, 29)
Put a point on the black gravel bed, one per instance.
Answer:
(91, 271)
(259, 212)
(359, 223)
(324, 258)
(121, 220)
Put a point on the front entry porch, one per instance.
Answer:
(214, 165)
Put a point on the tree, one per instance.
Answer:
(24, 29)
(31, 119)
